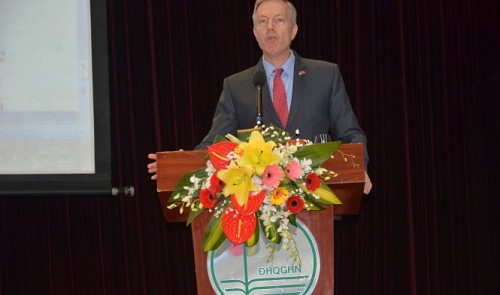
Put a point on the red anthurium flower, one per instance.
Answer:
(295, 204)
(207, 199)
(215, 184)
(218, 154)
(238, 228)
(253, 204)
(312, 182)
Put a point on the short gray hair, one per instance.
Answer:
(292, 12)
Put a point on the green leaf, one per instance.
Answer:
(276, 134)
(219, 138)
(325, 194)
(317, 153)
(271, 232)
(252, 241)
(194, 213)
(214, 234)
(244, 134)
(313, 204)
(293, 219)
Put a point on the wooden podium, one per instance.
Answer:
(347, 161)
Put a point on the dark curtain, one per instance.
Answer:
(423, 78)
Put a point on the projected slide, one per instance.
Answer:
(46, 100)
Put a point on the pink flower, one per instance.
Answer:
(237, 249)
(293, 170)
(302, 73)
(272, 176)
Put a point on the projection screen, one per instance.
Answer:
(54, 100)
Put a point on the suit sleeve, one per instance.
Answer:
(344, 124)
(224, 120)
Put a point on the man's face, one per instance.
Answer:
(273, 30)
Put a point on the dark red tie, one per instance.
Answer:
(279, 97)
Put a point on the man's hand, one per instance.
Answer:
(368, 184)
(152, 167)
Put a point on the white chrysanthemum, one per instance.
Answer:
(210, 168)
(291, 149)
(320, 171)
(195, 181)
(305, 165)
(232, 156)
(258, 182)
(220, 208)
(187, 200)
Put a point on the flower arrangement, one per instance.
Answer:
(259, 183)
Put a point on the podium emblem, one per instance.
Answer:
(245, 270)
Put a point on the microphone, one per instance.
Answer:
(259, 79)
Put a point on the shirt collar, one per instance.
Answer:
(288, 66)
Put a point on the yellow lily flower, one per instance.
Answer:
(257, 153)
(238, 181)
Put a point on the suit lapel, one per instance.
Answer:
(267, 105)
(299, 83)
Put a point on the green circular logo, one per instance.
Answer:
(248, 270)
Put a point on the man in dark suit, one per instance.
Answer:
(312, 95)
(319, 103)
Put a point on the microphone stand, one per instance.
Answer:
(259, 116)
